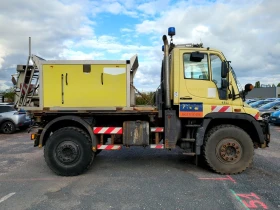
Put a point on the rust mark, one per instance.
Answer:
(166, 143)
(157, 138)
(112, 138)
(136, 134)
(101, 139)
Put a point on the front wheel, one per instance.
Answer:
(228, 149)
(68, 151)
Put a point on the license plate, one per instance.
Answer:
(273, 119)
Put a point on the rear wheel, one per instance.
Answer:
(8, 127)
(68, 151)
(228, 149)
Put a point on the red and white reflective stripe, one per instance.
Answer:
(221, 109)
(256, 116)
(107, 130)
(157, 146)
(157, 129)
(109, 147)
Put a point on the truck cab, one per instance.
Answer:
(204, 76)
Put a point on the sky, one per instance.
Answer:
(247, 32)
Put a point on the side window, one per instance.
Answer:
(196, 70)
(216, 70)
(10, 109)
(6, 109)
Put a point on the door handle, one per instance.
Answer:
(186, 98)
(66, 79)
(62, 89)
(102, 78)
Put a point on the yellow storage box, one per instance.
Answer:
(88, 84)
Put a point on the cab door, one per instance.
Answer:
(200, 85)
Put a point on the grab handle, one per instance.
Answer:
(102, 78)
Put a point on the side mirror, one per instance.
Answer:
(248, 87)
(224, 84)
(196, 56)
(224, 69)
(275, 107)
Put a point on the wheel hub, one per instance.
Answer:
(8, 127)
(229, 150)
(67, 152)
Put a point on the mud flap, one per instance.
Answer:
(172, 129)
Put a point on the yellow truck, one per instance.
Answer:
(81, 107)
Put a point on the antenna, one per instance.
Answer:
(29, 46)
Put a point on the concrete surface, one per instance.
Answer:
(135, 178)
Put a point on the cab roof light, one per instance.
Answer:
(171, 31)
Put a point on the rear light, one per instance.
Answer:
(33, 136)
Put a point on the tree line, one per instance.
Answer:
(259, 85)
(8, 95)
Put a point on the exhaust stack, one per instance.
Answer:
(166, 72)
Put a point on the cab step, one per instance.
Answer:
(188, 140)
(193, 126)
(189, 153)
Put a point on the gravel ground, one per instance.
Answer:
(135, 178)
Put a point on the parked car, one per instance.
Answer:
(11, 119)
(275, 118)
(267, 109)
(249, 101)
(259, 103)
(270, 99)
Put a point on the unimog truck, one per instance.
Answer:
(81, 107)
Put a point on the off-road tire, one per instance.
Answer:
(218, 135)
(73, 139)
(10, 130)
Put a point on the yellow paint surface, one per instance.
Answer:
(83, 89)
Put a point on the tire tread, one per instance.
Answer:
(81, 169)
(209, 134)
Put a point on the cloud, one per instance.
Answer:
(126, 30)
(78, 55)
(153, 7)
(3, 85)
(245, 31)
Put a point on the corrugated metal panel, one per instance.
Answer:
(265, 92)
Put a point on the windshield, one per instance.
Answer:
(270, 105)
(239, 86)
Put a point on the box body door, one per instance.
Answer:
(78, 85)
